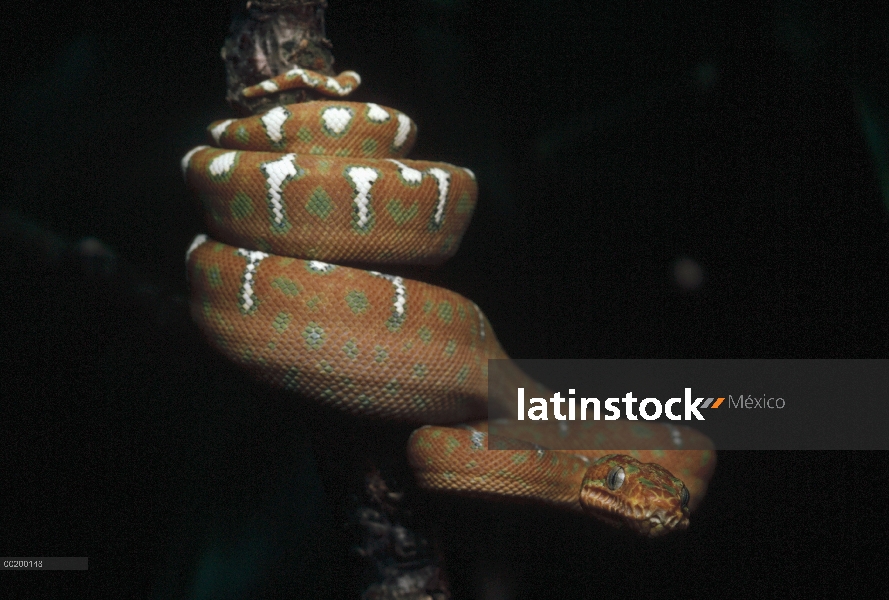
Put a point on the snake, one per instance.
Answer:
(302, 204)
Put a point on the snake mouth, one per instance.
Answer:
(662, 522)
(650, 522)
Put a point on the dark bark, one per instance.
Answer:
(269, 38)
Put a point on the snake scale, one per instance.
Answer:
(291, 197)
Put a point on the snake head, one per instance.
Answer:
(645, 497)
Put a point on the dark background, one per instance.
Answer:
(610, 142)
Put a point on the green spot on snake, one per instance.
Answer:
(392, 388)
(286, 286)
(369, 146)
(281, 322)
(318, 150)
(320, 204)
(381, 355)
(314, 336)
(241, 206)
(242, 135)
(427, 306)
(291, 379)
(448, 243)
(325, 367)
(425, 334)
(314, 302)
(445, 312)
(214, 276)
(463, 374)
(399, 213)
(451, 444)
(641, 431)
(420, 371)
(450, 348)
(519, 458)
(304, 134)
(464, 204)
(357, 301)
(350, 349)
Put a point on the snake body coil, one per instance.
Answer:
(295, 193)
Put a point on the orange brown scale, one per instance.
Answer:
(318, 219)
(329, 335)
(302, 130)
(288, 193)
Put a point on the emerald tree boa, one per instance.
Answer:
(294, 195)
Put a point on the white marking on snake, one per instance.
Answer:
(470, 173)
(254, 257)
(269, 86)
(377, 113)
(444, 182)
(333, 85)
(675, 435)
(217, 131)
(400, 290)
(187, 158)
(409, 174)
(197, 241)
(476, 439)
(274, 121)
(277, 171)
(583, 458)
(223, 163)
(337, 118)
(362, 179)
(321, 267)
(298, 72)
(404, 128)
(481, 321)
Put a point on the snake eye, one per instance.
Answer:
(684, 496)
(615, 478)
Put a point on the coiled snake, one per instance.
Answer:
(292, 195)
